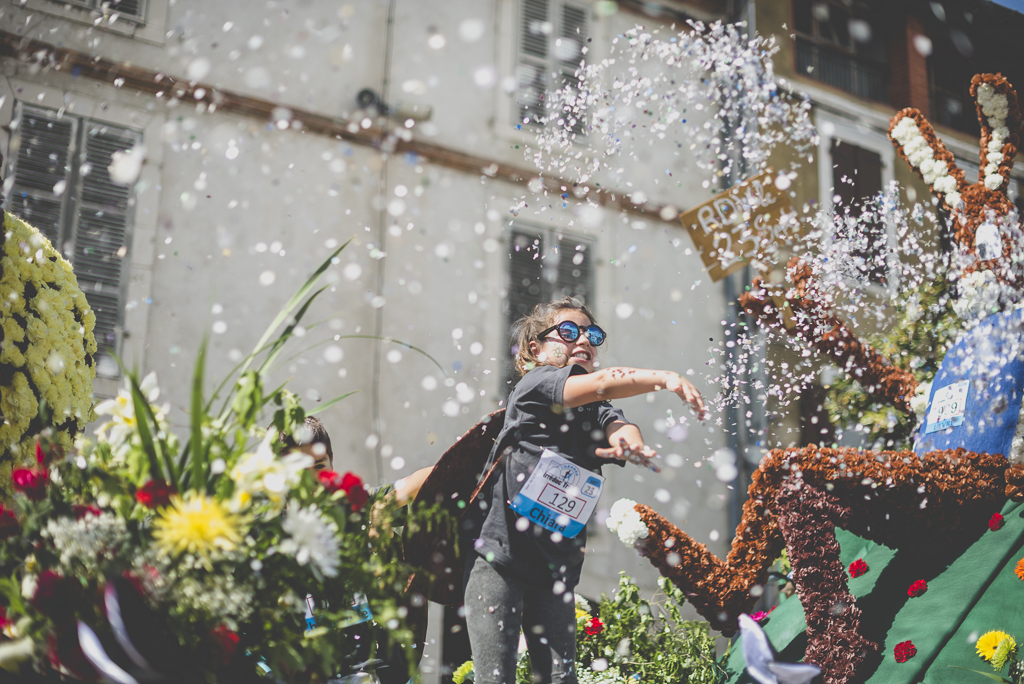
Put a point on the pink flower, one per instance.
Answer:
(760, 616)
(858, 567)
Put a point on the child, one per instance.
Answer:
(559, 430)
(311, 439)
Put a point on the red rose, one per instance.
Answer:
(54, 595)
(82, 511)
(996, 522)
(858, 567)
(330, 480)
(225, 642)
(8, 523)
(354, 490)
(595, 626)
(904, 651)
(30, 482)
(917, 588)
(154, 494)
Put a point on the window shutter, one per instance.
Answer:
(126, 8)
(856, 176)
(533, 63)
(101, 230)
(572, 37)
(575, 275)
(526, 269)
(45, 148)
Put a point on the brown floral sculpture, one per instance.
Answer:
(900, 499)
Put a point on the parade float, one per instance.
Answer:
(906, 563)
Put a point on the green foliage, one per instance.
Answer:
(650, 638)
(926, 327)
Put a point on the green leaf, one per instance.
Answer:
(329, 403)
(198, 452)
(984, 674)
(149, 445)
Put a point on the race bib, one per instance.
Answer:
(949, 405)
(559, 495)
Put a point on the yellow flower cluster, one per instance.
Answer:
(47, 350)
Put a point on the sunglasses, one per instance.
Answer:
(570, 332)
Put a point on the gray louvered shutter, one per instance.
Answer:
(126, 8)
(42, 151)
(101, 229)
(532, 67)
(575, 272)
(573, 31)
(525, 284)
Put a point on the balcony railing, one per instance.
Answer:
(864, 79)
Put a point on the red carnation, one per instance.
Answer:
(595, 626)
(904, 651)
(30, 482)
(354, 490)
(858, 567)
(917, 588)
(40, 456)
(996, 522)
(8, 523)
(154, 494)
(226, 642)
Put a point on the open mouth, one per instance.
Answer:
(581, 355)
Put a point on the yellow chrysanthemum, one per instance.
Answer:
(580, 613)
(196, 524)
(989, 642)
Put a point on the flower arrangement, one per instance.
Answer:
(197, 562)
(48, 351)
(629, 638)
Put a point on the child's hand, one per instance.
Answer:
(688, 393)
(638, 454)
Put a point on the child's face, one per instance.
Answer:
(321, 461)
(554, 351)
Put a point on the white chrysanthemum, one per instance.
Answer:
(86, 543)
(993, 181)
(979, 297)
(266, 473)
(581, 603)
(919, 402)
(624, 521)
(312, 538)
(121, 409)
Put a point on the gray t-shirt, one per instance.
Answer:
(535, 420)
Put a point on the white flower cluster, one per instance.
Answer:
(218, 595)
(263, 472)
(588, 675)
(120, 431)
(84, 544)
(624, 521)
(919, 402)
(312, 538)
(995, 108)
(979, 297)
(922, 157)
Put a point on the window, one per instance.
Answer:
(552, 35)
(545, 265)
(135, 9)
(61, 185)
(856, 176)
(841, 45)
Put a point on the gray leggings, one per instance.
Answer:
(497, 605)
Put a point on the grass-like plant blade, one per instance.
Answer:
(198, 451)
(984, 674)
(285, 312)
(145, 436)
(279, 343)
(329, 403)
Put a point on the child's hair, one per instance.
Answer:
(311, 432)
(529, 326)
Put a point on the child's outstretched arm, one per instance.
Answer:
(627, 444)
(619, 383)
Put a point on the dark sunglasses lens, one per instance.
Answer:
(568, 331)
(596, 335)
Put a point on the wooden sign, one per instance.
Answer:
(741, 224)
